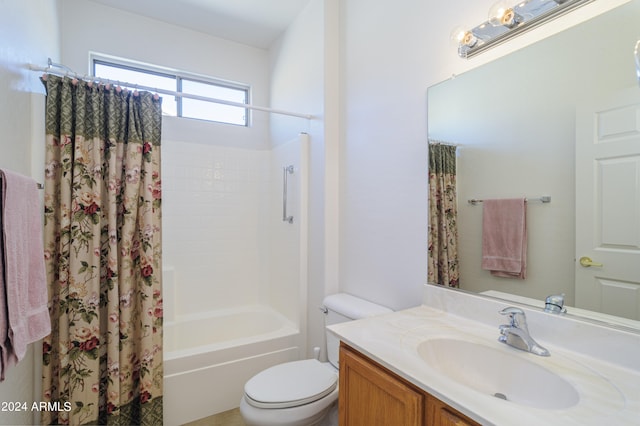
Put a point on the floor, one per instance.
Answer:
(227, 418)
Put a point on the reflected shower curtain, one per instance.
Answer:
(103, 359)
(443, 213)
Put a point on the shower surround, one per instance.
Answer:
(230, 261)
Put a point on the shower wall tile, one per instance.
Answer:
(213, 201)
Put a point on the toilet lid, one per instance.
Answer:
(290, 384)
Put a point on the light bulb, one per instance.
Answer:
(457, 34)
(463, 37)
(502, 14)
(469, 39)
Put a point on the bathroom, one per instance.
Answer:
(362, 68)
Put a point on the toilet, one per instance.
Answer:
(304, 393)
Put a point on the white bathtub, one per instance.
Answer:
(209, 357)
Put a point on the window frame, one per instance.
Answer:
(179, 76)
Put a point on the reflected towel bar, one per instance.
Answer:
(543, 199)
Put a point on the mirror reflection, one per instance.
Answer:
(526, 125)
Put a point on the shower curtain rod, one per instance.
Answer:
(65, 71)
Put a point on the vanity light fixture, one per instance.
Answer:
(507, 19)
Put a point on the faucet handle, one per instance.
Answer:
(555, 304)
(516, 317)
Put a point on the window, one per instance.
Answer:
(179, 106)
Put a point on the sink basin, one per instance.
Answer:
(497, 372)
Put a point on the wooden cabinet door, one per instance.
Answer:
(371, 395)
(440, 414)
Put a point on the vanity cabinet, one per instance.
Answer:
(370, 394)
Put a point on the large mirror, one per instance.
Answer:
(518, 122)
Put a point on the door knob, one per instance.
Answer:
(586, 262)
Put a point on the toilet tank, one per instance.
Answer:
(343, 307)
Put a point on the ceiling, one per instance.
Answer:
(254, 22)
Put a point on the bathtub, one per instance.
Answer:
(208, 357)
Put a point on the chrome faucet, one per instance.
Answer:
(516, 333)
(555, 304)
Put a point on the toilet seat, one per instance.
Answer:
(290, 384)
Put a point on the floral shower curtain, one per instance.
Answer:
(103, 359)
(443, 213)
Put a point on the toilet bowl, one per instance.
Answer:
(304, 393)
(290, 394)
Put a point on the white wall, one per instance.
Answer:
(28, 34)
(387, 66)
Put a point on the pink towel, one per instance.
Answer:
(504, 237)
(25, 277)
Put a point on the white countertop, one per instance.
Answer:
(609, 392)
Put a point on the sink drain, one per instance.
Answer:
(500, 395)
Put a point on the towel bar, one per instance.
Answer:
(543, 199)
(38, 184)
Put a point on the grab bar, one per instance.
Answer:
(285, 171)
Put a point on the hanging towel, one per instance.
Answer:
(5, 346)
(24, 270)
(504, 237)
